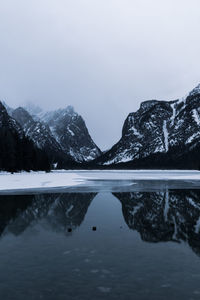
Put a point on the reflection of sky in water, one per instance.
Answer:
(147, 244)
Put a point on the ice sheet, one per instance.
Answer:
(63, 178)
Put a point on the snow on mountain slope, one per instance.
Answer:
(155, 127)
(37, 131)
(70, 132)
(40, 134)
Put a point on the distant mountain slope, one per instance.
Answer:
(70, 131)
(17, 152)
(171, 128)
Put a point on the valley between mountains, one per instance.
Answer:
(159, 135)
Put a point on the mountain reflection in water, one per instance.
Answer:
(171, 215)
(60, 211)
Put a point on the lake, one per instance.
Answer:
(107, 240)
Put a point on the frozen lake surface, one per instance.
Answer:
(146, 244)
(95, 180)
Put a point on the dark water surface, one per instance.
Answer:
(146, 246)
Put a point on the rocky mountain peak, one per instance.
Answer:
(146, 105)
(195, 91)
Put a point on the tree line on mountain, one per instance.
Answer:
(180, 157)
(19, 153)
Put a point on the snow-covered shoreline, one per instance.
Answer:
(71, 178)
(35, 180)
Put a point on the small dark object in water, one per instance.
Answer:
(69, 230)
(94, 228)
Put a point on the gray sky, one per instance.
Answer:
(102, 56)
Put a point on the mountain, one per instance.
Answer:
(17, 152)
(41, 136)
(164, 131)
(70, 132)
(170, 215)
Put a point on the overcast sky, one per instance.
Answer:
(102, 56)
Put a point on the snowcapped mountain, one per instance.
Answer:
(70, 132)
(37, 131)
(40, 134)
(157, 127)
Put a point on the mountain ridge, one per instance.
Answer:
(160, 134)
(155, 128)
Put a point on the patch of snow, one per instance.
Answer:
(125, 159)
(165, 132)
(192, 137)
(173, 114)
(122, 157)
(149, 125)
(196, 116)
(136, 132)
(179, 123)
(70, 131)
(159, 148)
(109, 162)
(35, 180)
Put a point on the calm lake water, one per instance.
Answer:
(146, 244)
